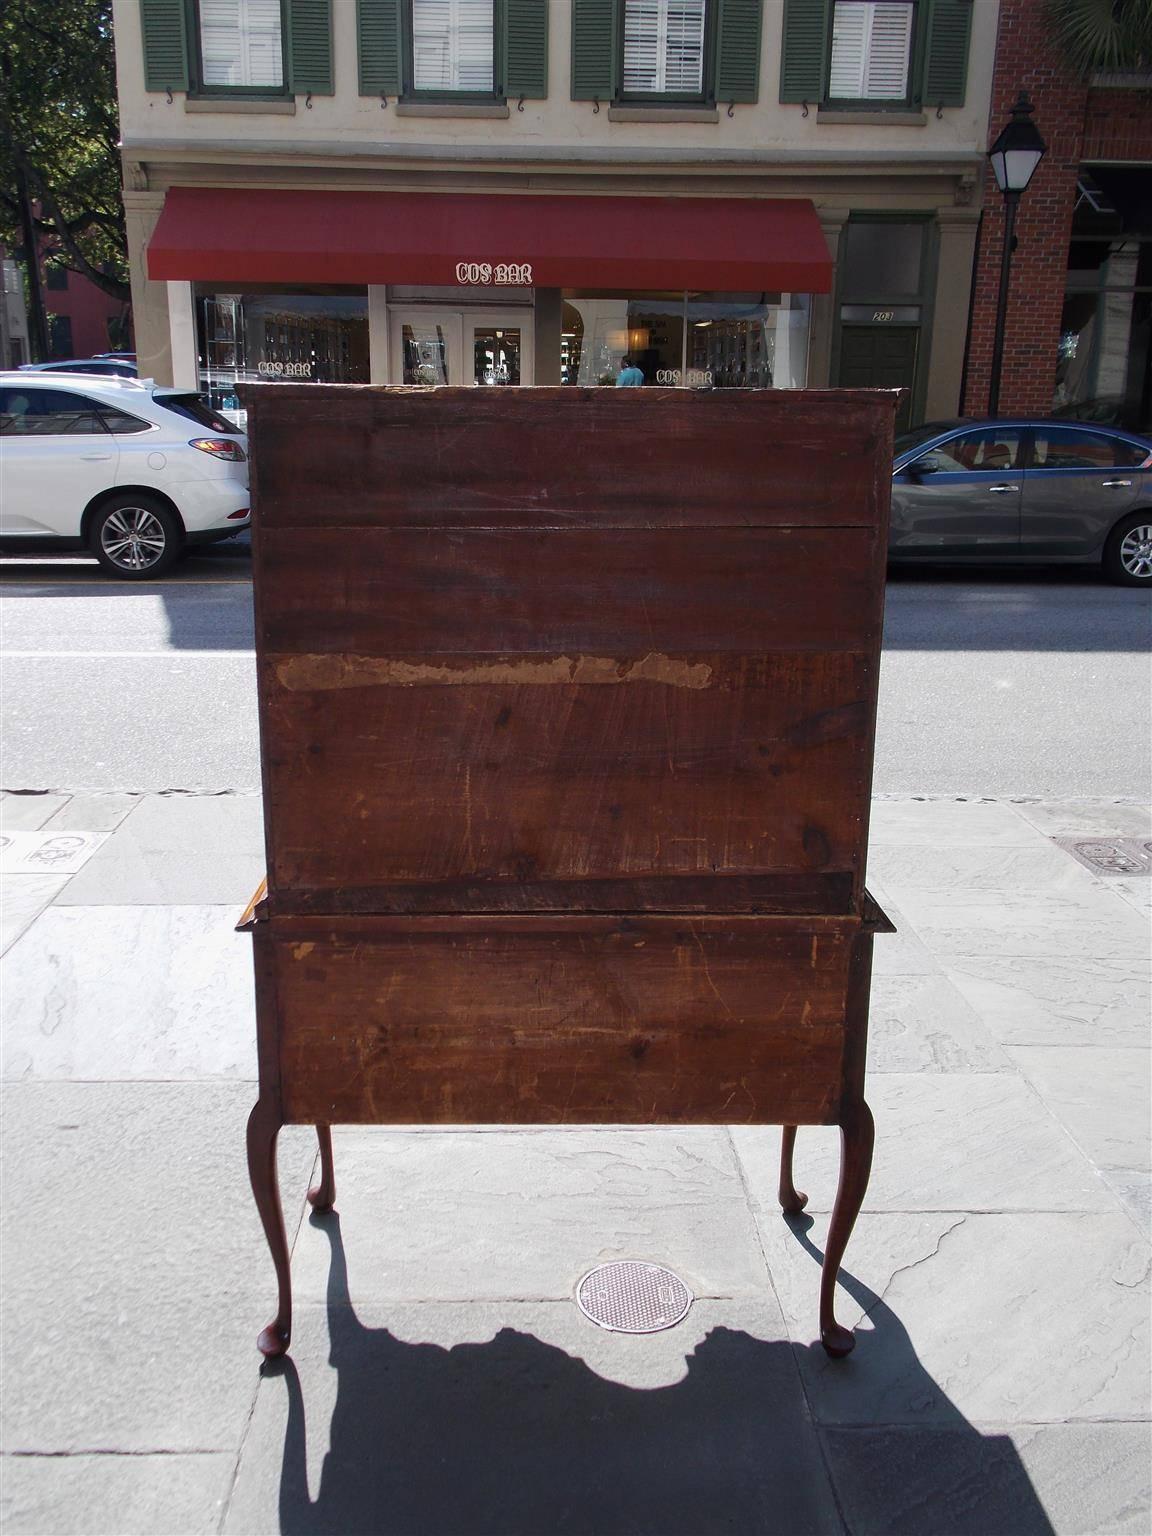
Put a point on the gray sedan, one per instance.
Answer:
(1024, 491)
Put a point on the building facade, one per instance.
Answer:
(1078, 336)
(726, 192)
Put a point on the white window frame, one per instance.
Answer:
(255, 54)
(871, 41)
(669, 21)
(457, 61)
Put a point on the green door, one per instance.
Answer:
(880, 357)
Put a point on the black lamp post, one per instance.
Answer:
(1015, 155)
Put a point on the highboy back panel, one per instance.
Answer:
(558, 650)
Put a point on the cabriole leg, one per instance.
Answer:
(857, 1133)
(323, 1197)
(263, 1128)
(792, 1201)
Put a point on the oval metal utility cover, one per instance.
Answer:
(629, 1296)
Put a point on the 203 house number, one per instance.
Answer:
(505, 274)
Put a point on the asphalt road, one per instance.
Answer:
(993, 683)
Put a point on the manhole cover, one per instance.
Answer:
(1110, 855)
(632, 1297)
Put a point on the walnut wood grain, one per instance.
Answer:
(654, 1020)
(554, 457)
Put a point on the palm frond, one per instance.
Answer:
(1103, 34)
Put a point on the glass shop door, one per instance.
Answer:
(461, 347)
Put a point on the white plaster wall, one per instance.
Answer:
(347, 123)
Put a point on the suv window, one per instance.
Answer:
(197, 409)
(995, 450)
(120, 422)
(48, 413)
(1073, 448)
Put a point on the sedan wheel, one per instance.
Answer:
(135, 538)
(1136, 552)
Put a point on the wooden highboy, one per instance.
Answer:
(567, 706)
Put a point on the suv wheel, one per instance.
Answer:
(1128, 552)
(135, 538)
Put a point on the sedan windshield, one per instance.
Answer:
(906, 441)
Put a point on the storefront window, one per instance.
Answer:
(1104, 366)
(248, 337)
(702, 340)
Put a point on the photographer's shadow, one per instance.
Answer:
(516, 1437)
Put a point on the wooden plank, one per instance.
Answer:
(611, 596)
(560, 1021)
(544, 458)
(764, 770)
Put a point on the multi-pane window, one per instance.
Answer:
(871, 50)
(452, 45)
(241, 43)
(664, 47)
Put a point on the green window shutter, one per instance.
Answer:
(162, 23)
(949, 25)
(310, 50)
(804, 58)
(738, 49)
(378, 37)
(593, 49)
(526, 48)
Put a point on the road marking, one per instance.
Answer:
(237, 653)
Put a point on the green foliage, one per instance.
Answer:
(1104, 34)
(59, 128)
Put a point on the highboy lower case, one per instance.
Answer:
(567, 706)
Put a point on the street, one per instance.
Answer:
(993, 683)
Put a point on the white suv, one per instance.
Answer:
(133, 471)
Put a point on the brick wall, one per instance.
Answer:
(1026, 60)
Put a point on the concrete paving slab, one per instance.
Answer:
(995, 1480)
(135, 1270)
(1061, 927)
(1053, 1000)
(1102, 1095)
(93, 812)
(136, 1495)
(1087, 818)
(902, 953)
(22, 899)
(1134, 1187)
(970, 874)
(525, 1215)
(26, 813)
(178, 850)
(960, 1142)
(949, 824)
(921, 1023)
(130, 992)
(1048, 1313)
(1137, 892)
(514, 1420)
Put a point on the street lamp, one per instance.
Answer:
(1015, 155)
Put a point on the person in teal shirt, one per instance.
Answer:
(629, 376)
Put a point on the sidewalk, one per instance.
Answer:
(442, 1381)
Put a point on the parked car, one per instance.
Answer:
(1024, 491)
(132, 471)
(112, 365)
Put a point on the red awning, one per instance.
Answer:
(629, 244)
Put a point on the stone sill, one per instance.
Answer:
(872, 119)
(248, 105)
(663, 115)
(451, 109)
